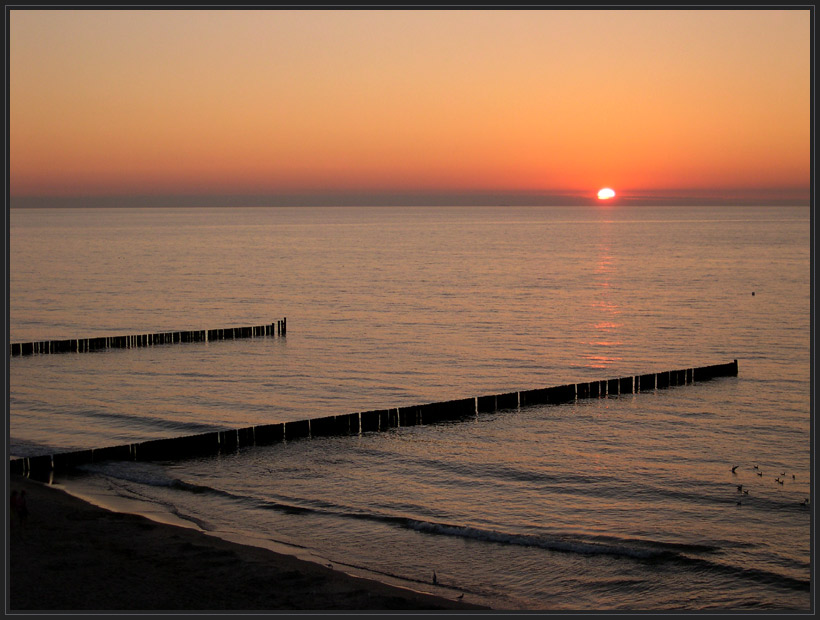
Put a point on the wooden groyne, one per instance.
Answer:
(229, 441)
(133, 341)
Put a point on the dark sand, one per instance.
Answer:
(71, 555)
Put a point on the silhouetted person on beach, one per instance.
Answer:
(13, 507)
(19, 510)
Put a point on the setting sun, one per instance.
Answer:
(606, 194)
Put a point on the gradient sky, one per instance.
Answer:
(661, 105)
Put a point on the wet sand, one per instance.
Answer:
(71, 555)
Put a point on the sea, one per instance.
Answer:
(691, 498)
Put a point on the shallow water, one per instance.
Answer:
(617, 503)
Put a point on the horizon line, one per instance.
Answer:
(773, 197)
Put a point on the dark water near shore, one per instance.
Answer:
(620, 503)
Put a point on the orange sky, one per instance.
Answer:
(651, 103)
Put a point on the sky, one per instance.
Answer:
(252, 107)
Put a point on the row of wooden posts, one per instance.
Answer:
(131, 341)
(229, 441)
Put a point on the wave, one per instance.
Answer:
(702, 557)
(568, 543)
(153, 475)
(691, 555)
(133, 419)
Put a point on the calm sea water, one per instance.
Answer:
(605, 504)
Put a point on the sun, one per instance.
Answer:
(606, 193)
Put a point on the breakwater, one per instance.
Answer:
(132, 341)
(231, 440)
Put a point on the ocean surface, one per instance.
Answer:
(620, 503)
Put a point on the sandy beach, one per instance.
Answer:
(71, 555)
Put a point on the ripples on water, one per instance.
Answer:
(623, 503)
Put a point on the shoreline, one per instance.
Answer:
(72, 555)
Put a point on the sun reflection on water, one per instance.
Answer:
(604, 342)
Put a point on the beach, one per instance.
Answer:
(71, 555)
